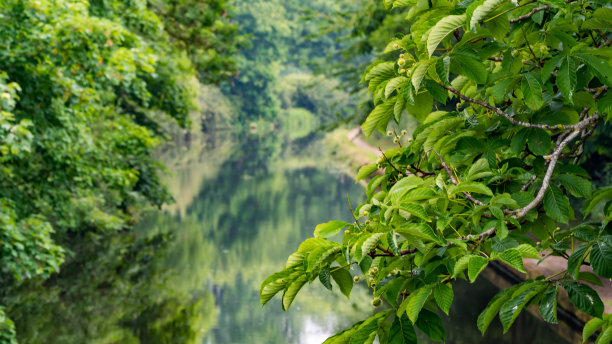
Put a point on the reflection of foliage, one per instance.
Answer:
(115, 289)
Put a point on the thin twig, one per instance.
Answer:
(528, 15)
(390, 163)
(506, 115)
(352, 213)
(553, 158)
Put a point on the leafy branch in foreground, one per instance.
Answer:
(522, 87)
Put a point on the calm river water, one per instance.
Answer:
(242, 206)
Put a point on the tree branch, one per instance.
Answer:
(553, 158)
(505, 114)
(452, 177)
(528, 15)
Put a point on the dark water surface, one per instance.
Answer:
(191, 274)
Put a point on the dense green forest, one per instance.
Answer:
(494, 115)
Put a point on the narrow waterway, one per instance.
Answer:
(191, 273)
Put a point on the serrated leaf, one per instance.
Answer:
(443, 293)
(415, 302)
(423, 103)
(512, 308)
(402, 331)
(601, 259)
(379, 117)
(419, 71)
(528, 251)
(539, 141)
(443, 28)
(439, 93)
(329, 229)
(482, 12)
(591, 327)
(320, 255)
(548, 305)
(475, 266)
(366, 171)
(567, 79)
(394, 84)
(584, 298)
(416, 210)
(589, 277)
(577, 186)
(513, 258)
(556, 204)
(488, 314)
(325, 278)
(470, 187)
(532, 90)
(370, 243)
(443, 69)
(366, 332)
(392, 241)
(472, 68)
(461, 265)
(575, 260)
(419, 230)
(344, 280)
(292, 290)
(431, 324)
(599, 67)
(272, 285)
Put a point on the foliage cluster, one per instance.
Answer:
(84, 86)
(524, 85)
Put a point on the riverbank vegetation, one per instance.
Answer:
(509, 96)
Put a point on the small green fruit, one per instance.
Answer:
(376, 302)
(356, 279)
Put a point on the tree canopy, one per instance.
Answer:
(84, 87)
(509, 95)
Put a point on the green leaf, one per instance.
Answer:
(419, 71)
(532, 90)
(366, 332)
(576, 259)
(548, 305)
(443, 28)
(512, 308)
(601, 259)
(419, 230)
(567, 79)
(513, 258)
(325, 278)
(472, 68)
(416, 210)
(471, 187)
(584, 298)
(321, 254)
(370, 243)
(443, 293)
(528, 251)
(292, 290)
(589, 277)
(379, 118)
(272, 285)
(556, 204)
(416, 301)
(443, 69)
(431, 324)
(345, 336)
(423, 103)
(402, 331)
(606, 336)
(329, 229)
(598, 196)
(539, 141)
(482, 12)
(550, 66)
(600, 68)
(488, 314)
(475, 266)
(366, 171)
(591, 327)
(577, 186)
(439, 93)
(344, 280)
(394, 84)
